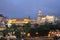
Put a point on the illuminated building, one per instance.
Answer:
(26, 20)
(18, 21)
(39, 17)
(33, 21)
(42, 19)
(57, 20)
(2, 22)
(50, 19)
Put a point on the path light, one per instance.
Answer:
(24, 33)
(28, 35)
(21, 32)
(36, 33)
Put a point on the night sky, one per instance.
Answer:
(25, 8)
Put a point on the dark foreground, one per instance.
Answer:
(36, 38)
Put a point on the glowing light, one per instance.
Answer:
(37, 33)
(28, 35)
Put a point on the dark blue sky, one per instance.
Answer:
(25, 8)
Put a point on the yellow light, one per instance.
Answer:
(28, 35)
(9, 21)
(26, 20)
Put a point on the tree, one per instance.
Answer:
(18, 34)
(36, 25)
(43, 30)
(26, 27)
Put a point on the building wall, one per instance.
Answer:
(16, 21)
(43, 20)
(38, 20)
(33, 21)
(50, 19)
(2, 21)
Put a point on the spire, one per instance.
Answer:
(39, 13)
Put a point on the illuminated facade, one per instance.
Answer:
(33, 21)
(18, 21)
(2, 20)
(42, 19)
(50, 19)
(39, 17)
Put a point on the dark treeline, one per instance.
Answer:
(37, 30)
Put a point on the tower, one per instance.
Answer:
(39, 13)
(39, 16)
